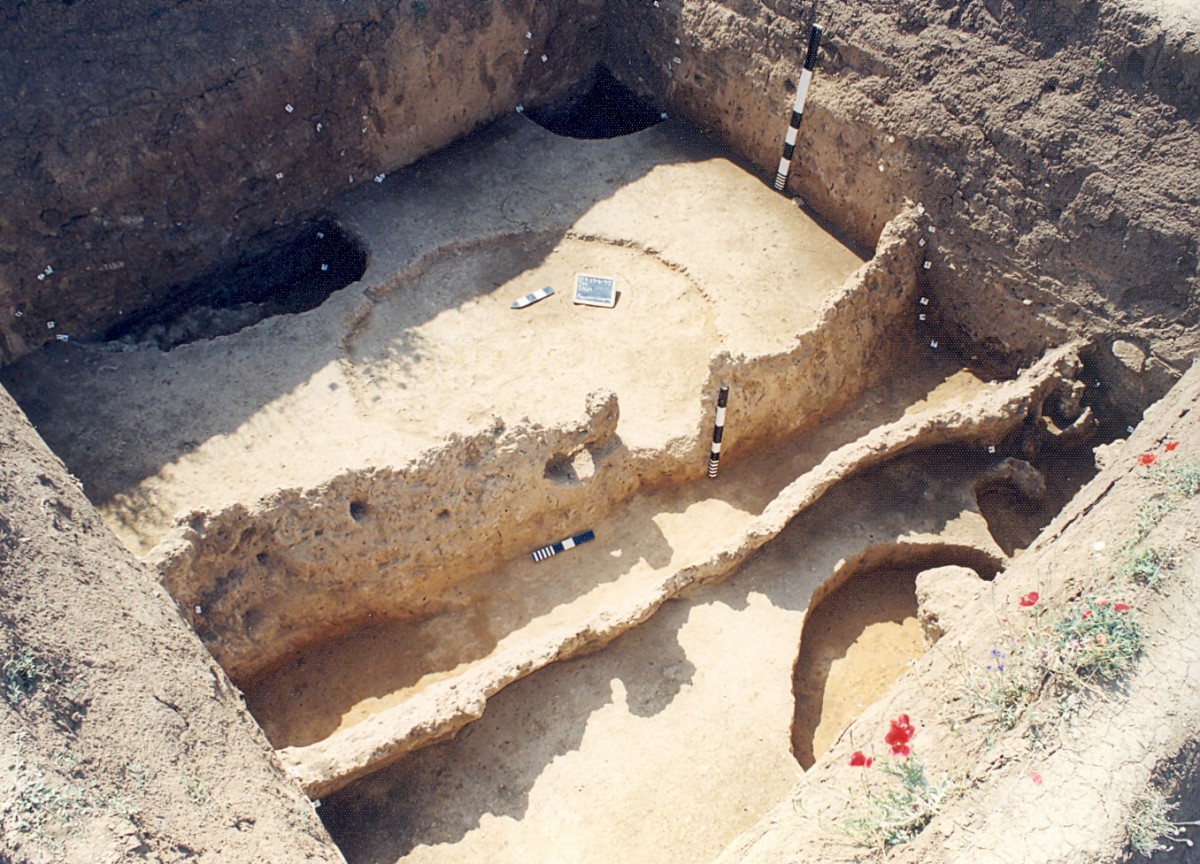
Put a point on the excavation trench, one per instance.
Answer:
(343, 500)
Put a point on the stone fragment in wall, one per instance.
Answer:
(945, 597)
(1108, 454)
(1131, 356)
(1070, 400)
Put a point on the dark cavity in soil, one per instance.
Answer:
(608, 110)
(295, 271)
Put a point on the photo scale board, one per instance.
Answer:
(595, 290)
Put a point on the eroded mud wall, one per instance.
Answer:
(261, 580)
(145, 142)
(1054, 145)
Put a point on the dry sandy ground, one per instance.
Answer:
(343, 681)
(678, 735)
(666, 740)
(426, 344)
(662, 741)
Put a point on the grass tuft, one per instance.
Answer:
(1148, 566)
(898, 814)
(22, 672)
(1150, 828)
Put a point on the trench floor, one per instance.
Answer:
(425, 344)
(679, 734)
(339, 683)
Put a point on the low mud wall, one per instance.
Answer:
(260, 580)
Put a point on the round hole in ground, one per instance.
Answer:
(855, 644)
(859, 638)
(359, 511)
(283, 273)
(607, 109)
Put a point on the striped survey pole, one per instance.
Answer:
(714, 455)
(563, 545)
(789, 142)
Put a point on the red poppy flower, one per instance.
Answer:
(899, 734)
(901, 750)
(1036, 778)
(1087, 613)
(1170, 446)
(1029, 599)
(1120, 607)
(1147, 459)
(859, 760)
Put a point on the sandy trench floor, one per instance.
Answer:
(346, 680)
(678, 735)
(425, 345)
(666, 739)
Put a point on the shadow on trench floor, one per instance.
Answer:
(342, 681)
(678, 735)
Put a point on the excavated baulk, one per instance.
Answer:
(449, 703)
(310, 561)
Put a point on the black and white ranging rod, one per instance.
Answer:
(789, 142)
(561, 546)
(714, 455)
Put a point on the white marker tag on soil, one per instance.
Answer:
(595, 290)
(933, 344)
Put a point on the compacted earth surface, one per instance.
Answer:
(279, 446)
